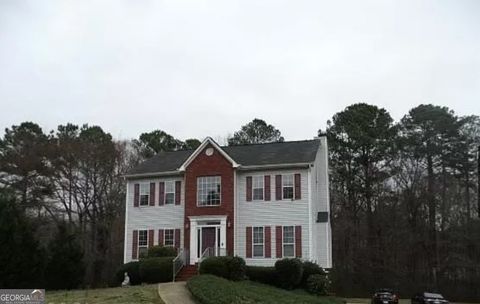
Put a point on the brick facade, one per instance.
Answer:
(213, 165)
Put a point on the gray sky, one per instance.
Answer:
(204, 68)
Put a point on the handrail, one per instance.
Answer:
(179, 261)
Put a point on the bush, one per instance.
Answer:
(161, 251)
(133, 270)
(289, 273)
(318, 284)
(231, 268)
(236, 268)
(310, 268)
(214, 265)
(266, 275)
(155, 270)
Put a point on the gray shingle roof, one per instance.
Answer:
(290, 152)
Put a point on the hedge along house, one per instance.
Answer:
(261, 202)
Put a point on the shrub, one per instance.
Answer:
(310, 268)
(289, 273)
(236, 268)
(133, 270)
(231, 268)
(318, 284)
(161, 251)
(266, 275)
(154, 270)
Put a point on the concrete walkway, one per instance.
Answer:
(175, 293)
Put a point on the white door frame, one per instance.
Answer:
(198, 222)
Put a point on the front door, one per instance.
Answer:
(208, 237)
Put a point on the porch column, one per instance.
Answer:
(193, 242)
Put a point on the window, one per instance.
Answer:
(144, 194)
(142, 243)
(257, 188)
(287, 186)
(168, 239)
(208, 190)
(258, 242)
(169, 192)
(288, 241)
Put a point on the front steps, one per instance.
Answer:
(187, 272)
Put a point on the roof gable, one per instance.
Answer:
(205, 143)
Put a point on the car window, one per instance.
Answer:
(433, 295)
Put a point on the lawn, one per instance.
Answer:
(118, 295)
(208, 289)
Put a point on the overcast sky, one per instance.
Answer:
(204, 68)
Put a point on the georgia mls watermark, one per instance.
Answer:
(22, 296)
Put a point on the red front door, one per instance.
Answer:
(208, 237)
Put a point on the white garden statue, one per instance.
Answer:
(126, 281)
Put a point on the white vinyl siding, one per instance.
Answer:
(272, 213)
(156, 217)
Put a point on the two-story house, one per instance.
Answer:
(261, 202)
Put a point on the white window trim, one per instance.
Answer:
(283, 242)
(164, 238)
(262, 177)
(293, 186)
(147, 184)
(253, 243)
(138, 242)
(220, 194)
(165, 192)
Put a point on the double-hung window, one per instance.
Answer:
(258, 242)
(208, 190)
(169, 192)
(288, 241)
(257, 188)
(287, 186)
(142, 243)
(144, 194)
(169, 239)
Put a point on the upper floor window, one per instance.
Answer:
(257, 187)
(208, 190)
(258, 242)
(288, 241)
(168, 239)
(142, 243)
(287, 186)
(169, 192)
(144, 194)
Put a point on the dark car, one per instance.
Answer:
(384, 296)
(428, 298)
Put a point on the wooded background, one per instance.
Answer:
(404, 197)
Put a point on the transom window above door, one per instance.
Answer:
(208, 190)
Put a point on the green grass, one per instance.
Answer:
(133, 294)
(208, 289)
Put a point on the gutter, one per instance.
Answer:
(275, 166)
(152, 174)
